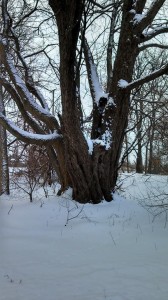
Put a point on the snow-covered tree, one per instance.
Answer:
(89, 165)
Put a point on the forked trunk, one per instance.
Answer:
(92, 176)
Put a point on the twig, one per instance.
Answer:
(10, 209)
(112, 238)
(71, 218)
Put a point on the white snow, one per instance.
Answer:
(29, 135)
(90, 145)
(153, 32)
(111, 101)
(132, 11)
(99, 93)
(122, 83)
(18, 82)
(105, 142)
(138, 18)
(96, 86)
(107, 139)
(110, 251)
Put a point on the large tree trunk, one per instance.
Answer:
(92, 176)
(116, 117)
(79, 164)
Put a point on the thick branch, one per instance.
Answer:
(139, 6)
(110, 46)
(152, 45)
(162, 71)
(28, 78)
(150, 15)
(34, 125)
(27, 99)
(148, 35)
(95, 87)
(29, 138)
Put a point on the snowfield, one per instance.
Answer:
(53, 249)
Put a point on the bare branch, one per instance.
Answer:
(27, 15)
(34, 125)
(150, 15)
(23, 92)
(40, 51)
(30, 138)
(152, 45)
(99, 5)
(162, 71)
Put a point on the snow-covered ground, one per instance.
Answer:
(53, 250)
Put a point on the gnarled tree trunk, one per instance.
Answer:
(79, 164)
(93, 176)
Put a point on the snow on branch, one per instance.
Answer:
(30, 104)
(28, 78)
(27, 137)
(148, 34)
(138, 6)
(96, 89)
(162, 71)
(105, 142)
(26, 116)
(138, 18)
(122, 83)
(19, 84)
(148, 18)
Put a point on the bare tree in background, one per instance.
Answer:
(4, 170)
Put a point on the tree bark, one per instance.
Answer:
(79, 164)
(93, 177)
(116, 117)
